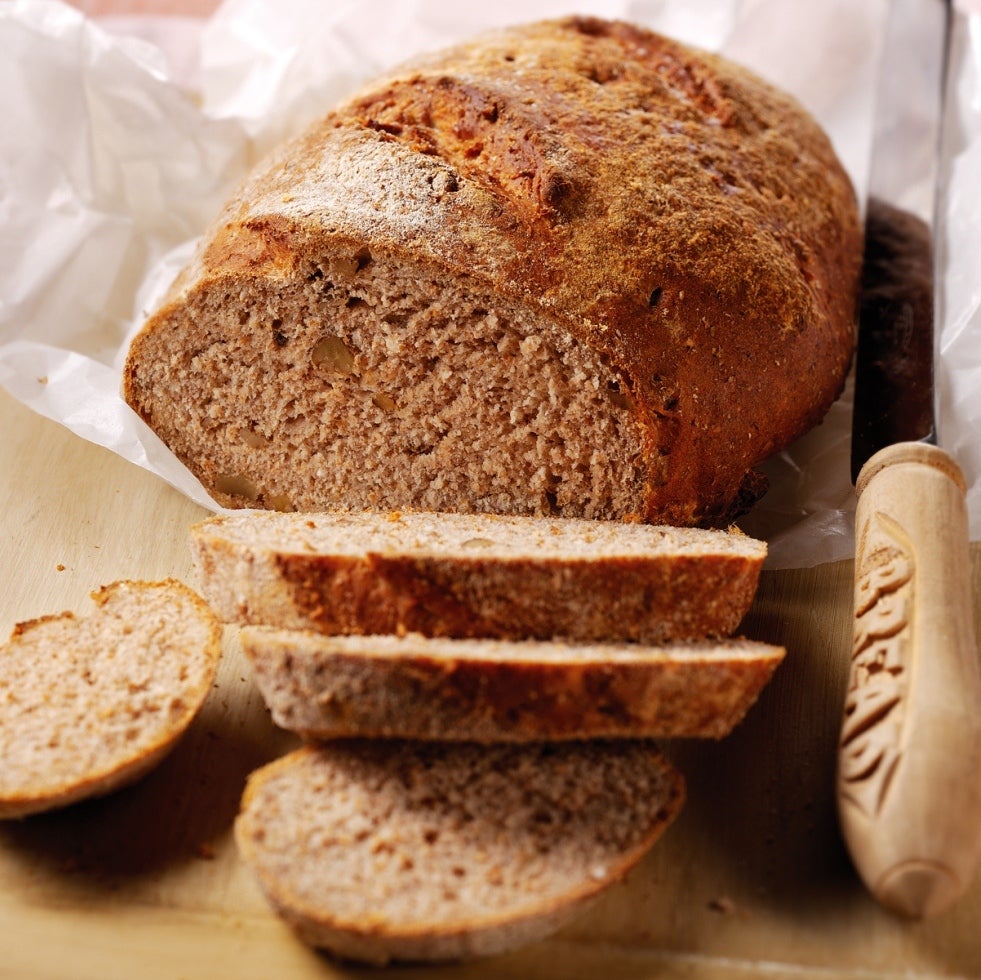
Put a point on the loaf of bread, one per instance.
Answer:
(393, 850)
(503, 691)
(475, 575)
(90, 703)
(571, 268)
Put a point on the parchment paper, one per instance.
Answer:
(122, 138)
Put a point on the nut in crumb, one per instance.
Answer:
(280, 502)
(255, 440)
(343, 267)
(332, 354)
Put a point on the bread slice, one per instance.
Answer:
(475, 575)
(89, 703)
(570, 267)
(397, 850)
(499, 690)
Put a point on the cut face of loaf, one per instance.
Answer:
(475, 575)
(571, 268)
(90, 703)
(499, 691)
(381, 384)
(392, 850)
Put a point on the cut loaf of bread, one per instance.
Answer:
(498, 690)
(475, 575)
(571, 267)
(89, 703)
(394, 850)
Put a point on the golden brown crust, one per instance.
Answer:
(623, 598)
(664, 206)
(654, 597)
(644, 802)
(34, 792)
(412, 688)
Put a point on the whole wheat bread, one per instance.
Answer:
(394, 850)
(89, 703)
(569, 268)
(494, 690)
(475, 575)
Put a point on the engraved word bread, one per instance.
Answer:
(572, 268)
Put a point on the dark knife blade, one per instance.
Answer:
(894, 371)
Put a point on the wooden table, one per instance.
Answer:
(751, 880)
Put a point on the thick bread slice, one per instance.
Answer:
(570, 267)
(496, 690)
(475, 575)
(393, 850)
(90, 703)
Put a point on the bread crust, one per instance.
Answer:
(466, 931)
(410, 687)
(25, 793)
(664, 207)
(652, 598)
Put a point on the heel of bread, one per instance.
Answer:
(92, 702)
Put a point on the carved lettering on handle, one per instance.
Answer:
(874, 703)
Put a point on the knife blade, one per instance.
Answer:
(908, 780)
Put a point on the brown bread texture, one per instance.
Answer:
(90, 703)
(504, 691)
(570, 268)
(398, 850)
(470, 575)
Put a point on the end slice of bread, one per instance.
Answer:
(397, 850)
(464, 575)
(499, 690)
(89, 703)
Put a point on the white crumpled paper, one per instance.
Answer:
(123, 138)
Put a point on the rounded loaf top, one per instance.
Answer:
(671, 211)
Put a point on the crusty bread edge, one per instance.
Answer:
(319, 688)
(109, 778)
(475, 938)
(652, 598)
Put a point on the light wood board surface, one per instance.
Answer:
(752, 879)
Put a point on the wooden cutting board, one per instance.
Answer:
(751, 880)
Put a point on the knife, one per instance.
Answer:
(908, 781)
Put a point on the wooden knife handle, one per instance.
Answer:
(909, 760)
